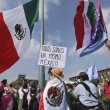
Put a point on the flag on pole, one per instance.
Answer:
(99, 36)
(92, 72)
(55, 96)
(16, 27)
(84, 22)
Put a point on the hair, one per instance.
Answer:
(33, 86)
(85, 77)
(75, 84)
(25, 86)
(108, 83)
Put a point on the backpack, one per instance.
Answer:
(15, 105)
(33, 105)
(25, 101)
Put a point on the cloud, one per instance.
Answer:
(58, 39)
(46, 7)
(52, 40)
(32, 52)
(3, 5)
(66, 77)
(57, 2)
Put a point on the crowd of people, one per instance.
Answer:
(82, 95)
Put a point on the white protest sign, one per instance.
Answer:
(53, 56)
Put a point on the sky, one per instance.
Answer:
(58, 31)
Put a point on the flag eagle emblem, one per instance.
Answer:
(55, 96)
(20, 31)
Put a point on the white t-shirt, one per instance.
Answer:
(21, 93)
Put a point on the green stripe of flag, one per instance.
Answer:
(31, 10)
(92, 14)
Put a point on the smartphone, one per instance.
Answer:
(25, 80)
(10, 85)
(4, 81)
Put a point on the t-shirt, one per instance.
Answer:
(10, 104)
(107, 91)
(21, 93)
(29, 97)
(4, 101)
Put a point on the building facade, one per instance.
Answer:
(19, 82)
(103, 74)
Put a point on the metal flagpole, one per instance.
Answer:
(41, 76)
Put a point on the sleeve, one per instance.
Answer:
(72, 93)
(104, 98)
(77, 90)
(29, 88)
(7, 98)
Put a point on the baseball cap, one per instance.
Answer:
(1, 87)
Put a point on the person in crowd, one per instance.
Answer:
(106, 85)
(69, 88)
(10, 104)
(37, 86)
(4, 100)
(32, 94)
(87, 93)
(101, 95)
(55, 95)
(23, 89)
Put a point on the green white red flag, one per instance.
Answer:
(84, 22)
(55, 96)
(16, 27)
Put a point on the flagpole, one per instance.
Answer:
(41, 76)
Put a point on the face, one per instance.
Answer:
(67, 87)
(106, 83)
(81, 79)
(33, 90)
(35, 83)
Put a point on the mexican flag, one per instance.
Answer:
(16, 27)
(55, 96)
(84, 22)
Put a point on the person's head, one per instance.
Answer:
(35, 83)
(97, 80)
(94, 82)
(25, 86)
(68, 86)
(83, 76)
(2, 89)
(33, 88)
(107, 83)
(75, 84)
(57, 73)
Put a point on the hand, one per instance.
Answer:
(31, 83)
(107, 43)
(73, 88)
(22, 86)
(28, 80)
(23, 81)
(6, 85)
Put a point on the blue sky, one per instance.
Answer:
(58, 31)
